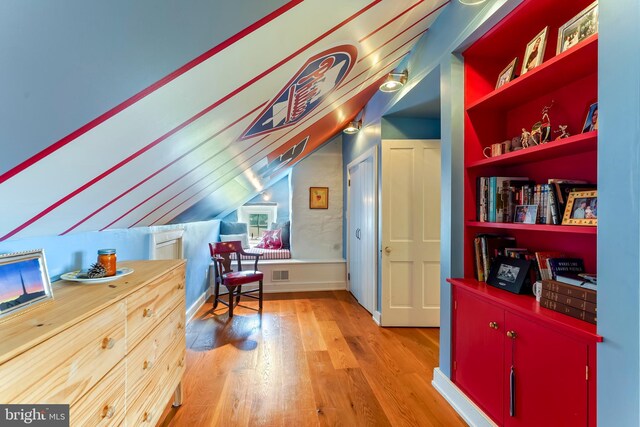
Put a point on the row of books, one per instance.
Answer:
(498, 196)
(572, 300)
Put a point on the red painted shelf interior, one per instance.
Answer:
(535, 227)
(527, 305)
(566, 147)
(573, 64)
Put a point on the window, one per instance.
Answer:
(258, 217)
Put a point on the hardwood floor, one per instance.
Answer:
(311, 359)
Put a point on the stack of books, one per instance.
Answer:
(577, 301)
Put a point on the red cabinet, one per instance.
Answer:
(518, 366)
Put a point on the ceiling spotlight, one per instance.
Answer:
(471, 2)
(394, 81)
(352, 127)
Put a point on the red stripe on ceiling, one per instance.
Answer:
(181, 126)
(160, 170)
(409, 9)
(165, 202)
(237, 155)
(211, 157)
(140, 95)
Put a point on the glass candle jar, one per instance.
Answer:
(107, 257)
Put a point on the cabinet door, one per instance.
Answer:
(550, 376)
(478, 340)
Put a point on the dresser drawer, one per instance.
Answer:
(146, 355)
(104, 404)
(146, 405)
(66, 366)
(148, 306)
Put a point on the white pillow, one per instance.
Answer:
(244, 238)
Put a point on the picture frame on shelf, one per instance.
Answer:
(591, 121)
(510, 274)
(582, 208)
(507, 74)
(525, 214)
(534, 53)
(318, 197)
(24, 281)
(578, 28)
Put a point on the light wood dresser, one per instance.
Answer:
(113, 351)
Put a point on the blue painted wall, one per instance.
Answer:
(78, 59)
(75, 251)
(619, 216)
(410, 128)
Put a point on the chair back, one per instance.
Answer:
(221, 255)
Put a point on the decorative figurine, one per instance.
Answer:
(536, 134)
(563, 130)
(526, 138)
(545, 126)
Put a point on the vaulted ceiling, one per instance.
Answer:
(217, 130)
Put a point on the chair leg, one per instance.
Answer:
(260, 296)
(231, 302)
(216, 292)
(238, 297)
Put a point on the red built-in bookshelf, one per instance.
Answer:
(569, 80)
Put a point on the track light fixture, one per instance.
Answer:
(353, 127)
(394, 81)
(471, 2)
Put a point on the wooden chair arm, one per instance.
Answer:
(255, 264)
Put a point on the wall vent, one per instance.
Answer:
(280, 276)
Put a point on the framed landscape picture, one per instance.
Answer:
(318, 197)
(24, 281)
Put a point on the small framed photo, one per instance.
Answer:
(318, 197)
(582, 208)
(24, 281)
(507, 74)
(526, 214)
(580, 27)
(591, 122)
(510, 274)
(534, 54)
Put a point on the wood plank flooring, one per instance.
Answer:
(311, 359)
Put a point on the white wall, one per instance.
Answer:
(317, 233)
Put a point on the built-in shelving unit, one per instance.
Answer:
(568, 82)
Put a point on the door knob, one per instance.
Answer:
(493, 325)
(387, 249)
(512, 334)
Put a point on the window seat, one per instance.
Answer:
(267, 254)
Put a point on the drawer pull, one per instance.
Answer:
(148, 364)
(148, 312)
(108, 411)
(493, 325)
(108, 343)
(146, 417)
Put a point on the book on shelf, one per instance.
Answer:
(488, 247)
(564, 266)
(576, 280)
(579, 292)
(578, 303)
(543, 266)
(568, 310)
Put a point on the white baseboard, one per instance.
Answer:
(377, 317)
(468, 410)
(198, 303)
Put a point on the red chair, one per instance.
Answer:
(233, 280)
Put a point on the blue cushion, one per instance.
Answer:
(227, 227)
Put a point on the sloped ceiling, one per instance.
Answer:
(220, 128)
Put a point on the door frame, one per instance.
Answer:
(373, 154)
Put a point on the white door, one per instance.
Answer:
(410, 222)
(362, 231)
